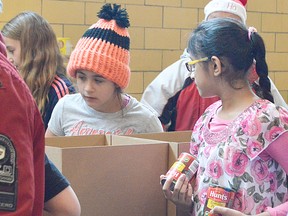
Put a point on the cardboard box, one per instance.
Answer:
(173, 136)
(113, 175)
(179, 141)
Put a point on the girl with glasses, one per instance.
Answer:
(239, 141)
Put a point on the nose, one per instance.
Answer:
(89, 86)
(11, 60)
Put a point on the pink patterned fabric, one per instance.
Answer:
(231, 157)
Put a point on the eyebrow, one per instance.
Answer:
(9, 47)
(94, 75)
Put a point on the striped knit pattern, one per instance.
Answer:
(103, 49)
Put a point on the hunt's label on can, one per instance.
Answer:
(186, 164)
(218, 196)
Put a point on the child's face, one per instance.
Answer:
(204, 80)
(13, 48)
(98, 92)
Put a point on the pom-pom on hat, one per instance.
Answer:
(104, 47)
(230, 6)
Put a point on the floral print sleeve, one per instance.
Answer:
(262, 124)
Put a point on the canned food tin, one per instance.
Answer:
(186, 164)
(218, 196)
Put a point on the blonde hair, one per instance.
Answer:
(40, 56)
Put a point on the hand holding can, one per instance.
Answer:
(185, 164)
(218, 196)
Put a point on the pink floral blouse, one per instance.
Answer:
(231, 158)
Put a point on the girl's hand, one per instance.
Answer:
(182, 194)
(230, 212)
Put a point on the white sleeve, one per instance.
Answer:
(165, 85)
(154, 125)
(278, 99)
(55, 122)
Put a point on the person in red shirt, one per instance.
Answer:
(21, 145)
(27, 35)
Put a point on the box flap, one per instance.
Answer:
(78, 141)
(127, 140)
(173, 136)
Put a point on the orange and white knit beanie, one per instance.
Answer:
(104, 47)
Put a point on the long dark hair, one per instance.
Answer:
(228, 38)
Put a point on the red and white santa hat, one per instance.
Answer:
(236, 7)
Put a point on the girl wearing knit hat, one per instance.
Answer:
(100, 64)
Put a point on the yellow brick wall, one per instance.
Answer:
(159, 30)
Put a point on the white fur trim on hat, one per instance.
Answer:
(229, 6)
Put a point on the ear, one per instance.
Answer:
(217, 66)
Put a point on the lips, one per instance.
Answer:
(88, 98)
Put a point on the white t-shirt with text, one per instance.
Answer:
(73, 117)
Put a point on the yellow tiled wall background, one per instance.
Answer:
(159, 30)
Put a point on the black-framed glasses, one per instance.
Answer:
(191, 64)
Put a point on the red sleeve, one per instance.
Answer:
(38, 158)
(21, 147)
